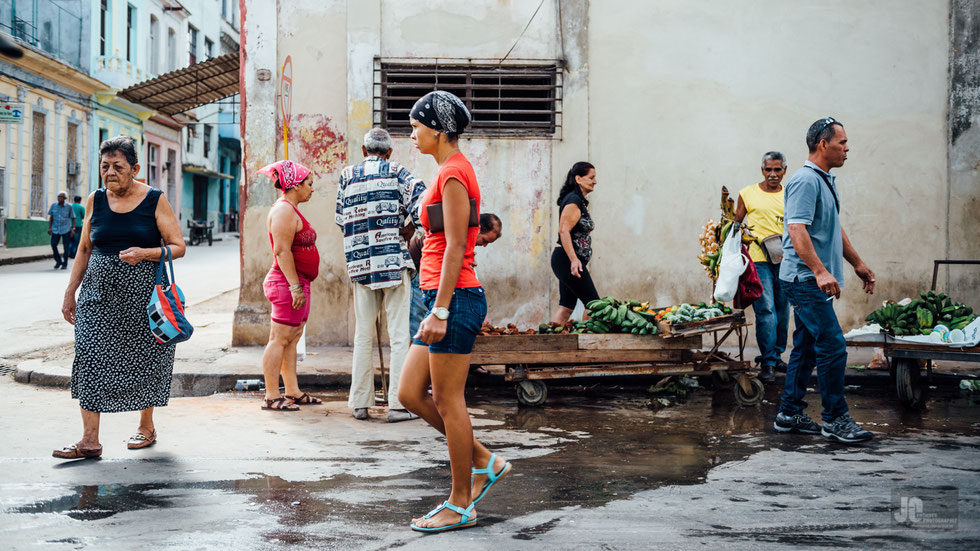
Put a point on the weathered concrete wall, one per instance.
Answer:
(518, 177)
(259, 36)
(314, 37)
(671, 100)
(964, 148)
(686, 97)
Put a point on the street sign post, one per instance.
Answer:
(286, 100)
(286, 104)
(11, 112)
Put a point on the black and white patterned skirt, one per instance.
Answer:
(118, 366)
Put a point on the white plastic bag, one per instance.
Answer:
(733, 263)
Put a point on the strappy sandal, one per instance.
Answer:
(74, 452)
(280, 404)
(139, 440)
(305, 400)
(491, 476)
(464, 521)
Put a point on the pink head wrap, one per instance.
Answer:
(287, 173)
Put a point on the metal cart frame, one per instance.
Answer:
(530, 360)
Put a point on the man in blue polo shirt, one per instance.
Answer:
(812, 272)
(61, 227)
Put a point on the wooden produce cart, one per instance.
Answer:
(906, 360)
(530, 360)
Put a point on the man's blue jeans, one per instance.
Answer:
(64, 238)
(817, 342)
(771, 315)
(418, 309)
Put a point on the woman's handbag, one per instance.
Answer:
(436, 223)
(166, 308)
(772, 248)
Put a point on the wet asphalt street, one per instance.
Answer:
(593, 469)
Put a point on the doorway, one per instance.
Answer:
(200, 198)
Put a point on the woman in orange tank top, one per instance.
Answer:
(440, 352)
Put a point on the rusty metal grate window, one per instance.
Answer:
(37, 195)
(505, 100)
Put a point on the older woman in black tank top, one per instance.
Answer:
(119, 365)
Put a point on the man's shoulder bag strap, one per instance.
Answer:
(830, 187)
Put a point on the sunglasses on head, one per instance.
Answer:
(826, 122)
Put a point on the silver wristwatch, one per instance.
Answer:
(441, 313)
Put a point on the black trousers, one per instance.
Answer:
(571, 288)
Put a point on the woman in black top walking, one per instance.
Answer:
(119, 365)
(574, 249)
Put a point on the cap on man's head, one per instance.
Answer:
(63, 194)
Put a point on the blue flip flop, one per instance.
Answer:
(464, 521)
(491, 476)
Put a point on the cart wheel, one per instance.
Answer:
(753, 398)
(907, 377)
(532, 393)
(193, 240)
(210, 238)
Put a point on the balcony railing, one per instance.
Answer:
(47, 26)
(117, 72)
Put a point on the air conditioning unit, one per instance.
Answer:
(74, 167)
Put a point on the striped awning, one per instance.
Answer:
(187, 88)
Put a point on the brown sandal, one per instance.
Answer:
(140, 440)
(305, 400)
(280, 404)
(74, 452)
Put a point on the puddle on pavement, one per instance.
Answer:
(622, 447)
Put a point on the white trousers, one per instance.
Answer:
(397, 302)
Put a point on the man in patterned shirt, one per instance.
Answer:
(374, 200)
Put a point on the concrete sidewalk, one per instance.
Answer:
(20, 255)
(207, 363)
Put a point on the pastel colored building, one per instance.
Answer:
(47, 150)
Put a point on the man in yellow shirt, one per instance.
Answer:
(760, 206)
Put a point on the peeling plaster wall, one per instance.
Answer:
(259, 36)
(313, 35)
(516, 175)
(688, 96)
(671, 100)
(964, 153)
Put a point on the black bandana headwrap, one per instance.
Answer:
(442, 111)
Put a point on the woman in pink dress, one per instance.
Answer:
(287, 286)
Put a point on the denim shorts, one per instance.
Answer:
(467, 310)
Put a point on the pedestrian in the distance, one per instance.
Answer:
(296, 263)
(760, 206)
(119, 365)
(440, 352)
(814, 250)
(571, 256)
(61, 227)
(79, 209)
